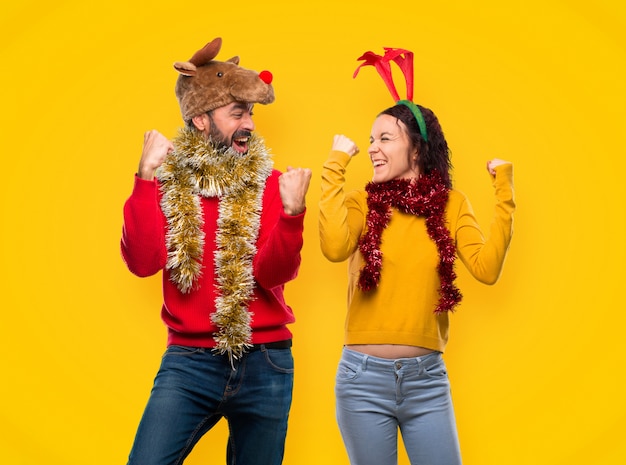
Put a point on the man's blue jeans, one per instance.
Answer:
(195, 388)
(376, 397)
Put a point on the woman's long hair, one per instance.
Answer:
(432, 155)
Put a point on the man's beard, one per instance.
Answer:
(219, 140)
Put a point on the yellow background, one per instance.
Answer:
(535, 362)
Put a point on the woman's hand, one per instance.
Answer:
(344, 144)
(491, 165)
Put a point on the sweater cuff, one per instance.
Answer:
(144, 188)
(293, 223)
(340, 157)
(504, 174)
(503, 183)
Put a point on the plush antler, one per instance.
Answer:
(201, 57)
(403, 58)
(207, 53)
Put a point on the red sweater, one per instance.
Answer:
(188, 316)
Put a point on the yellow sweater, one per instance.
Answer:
(400, 309)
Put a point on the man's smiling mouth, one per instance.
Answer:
(240, 142)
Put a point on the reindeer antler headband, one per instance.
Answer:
(404, 59)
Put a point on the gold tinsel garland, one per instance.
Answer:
(197, 169)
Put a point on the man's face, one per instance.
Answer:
(231, 126)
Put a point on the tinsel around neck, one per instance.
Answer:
(427, 197)
(197, 169)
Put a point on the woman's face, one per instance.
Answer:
(390, 151)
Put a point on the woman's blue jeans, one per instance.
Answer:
(195, 388)
(376, 397)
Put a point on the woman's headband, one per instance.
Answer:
(404, 59)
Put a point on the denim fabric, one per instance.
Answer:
(195, 388)
(376, 397)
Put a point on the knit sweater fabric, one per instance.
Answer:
(188, 316)
(401, 309)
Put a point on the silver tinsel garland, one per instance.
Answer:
(197, 169)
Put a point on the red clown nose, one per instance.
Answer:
(266, 77)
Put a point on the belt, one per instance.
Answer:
(286, 344)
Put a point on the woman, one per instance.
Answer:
(400, 236)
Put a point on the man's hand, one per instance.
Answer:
(155, 148)
(293, 185)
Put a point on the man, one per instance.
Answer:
(226, 229)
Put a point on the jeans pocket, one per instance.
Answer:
(182, 350)
(347, 371)
(436, 370)
(280, 360)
